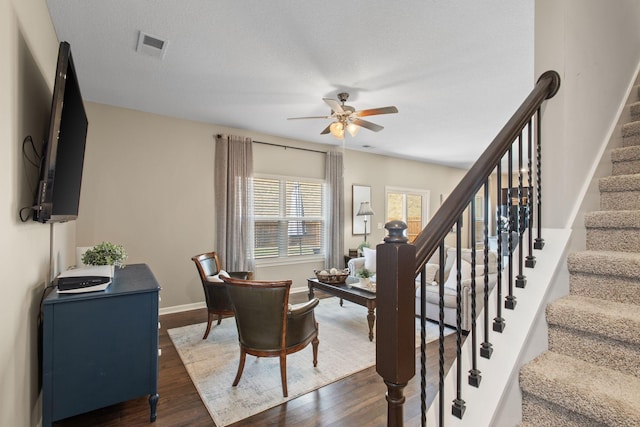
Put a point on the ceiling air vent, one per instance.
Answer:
(150, 45)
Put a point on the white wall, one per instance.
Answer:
(595, 47)
(30, 50)
(149, 183)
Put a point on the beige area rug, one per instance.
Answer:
(212, 363)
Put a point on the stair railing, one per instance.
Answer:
(401, 262)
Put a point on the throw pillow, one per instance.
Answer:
(217, 278)
(465, 272)
(431, 272)
(369, 259)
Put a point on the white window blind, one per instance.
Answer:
(289, 217)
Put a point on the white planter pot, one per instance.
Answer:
(365, 281)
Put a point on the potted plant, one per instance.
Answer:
(105, 253)
(365, 276)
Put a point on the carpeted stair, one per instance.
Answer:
(590, 376)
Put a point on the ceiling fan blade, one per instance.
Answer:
(326, 130)
(334, 105)
(376, 111)
(310, 117)
(365, 124)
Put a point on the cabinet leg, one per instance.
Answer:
(153, 404)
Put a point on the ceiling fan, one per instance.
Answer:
(347, 118)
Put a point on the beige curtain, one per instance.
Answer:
(234, 202)
(335, 205)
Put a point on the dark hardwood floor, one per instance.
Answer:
(357, 400)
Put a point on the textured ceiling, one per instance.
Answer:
(456, 69)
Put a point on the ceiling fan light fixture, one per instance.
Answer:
(353, 129)
(337, 130)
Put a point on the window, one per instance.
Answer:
(410, 206)
(289, 217)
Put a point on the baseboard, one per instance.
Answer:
(181, 308)
(199, 305)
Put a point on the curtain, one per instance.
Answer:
(335, 206)
(234, 202)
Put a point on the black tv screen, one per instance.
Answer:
(58, 195)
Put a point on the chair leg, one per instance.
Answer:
(314, 344)
(283, 374)
(209, 320)
(219, 318)
(243, 356)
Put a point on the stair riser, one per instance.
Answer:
(613, 354)
(611, 288)
(626, 168)
(619, 201)
(613, 239)
(631, 140)
(539, 412)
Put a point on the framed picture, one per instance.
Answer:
(361, 193)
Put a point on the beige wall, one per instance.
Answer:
(148, 184)
(30, 49)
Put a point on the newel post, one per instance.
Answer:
(395, 324)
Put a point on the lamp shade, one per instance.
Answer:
(365, 209)
(353, 129)
(337, 130)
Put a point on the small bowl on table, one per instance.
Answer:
(333, 279)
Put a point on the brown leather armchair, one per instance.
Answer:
(215, 293)
(268, 326)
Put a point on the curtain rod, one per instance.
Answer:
(289, 146)
(285, 146)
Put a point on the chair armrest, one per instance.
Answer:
(355, 264)
(466, 284)
(242, 275)
(299, 310)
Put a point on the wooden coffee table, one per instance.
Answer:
(344, 291)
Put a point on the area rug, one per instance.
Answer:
(212, 363)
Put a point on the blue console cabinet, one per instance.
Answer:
(101, 348)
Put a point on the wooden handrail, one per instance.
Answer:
(430, 237)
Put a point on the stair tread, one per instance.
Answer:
(613, 263)
(613, 219)
(626, 153)
(620, 183)
(597, 392)
(616, 320)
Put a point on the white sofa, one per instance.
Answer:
(432, 275)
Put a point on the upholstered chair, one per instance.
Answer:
(215, 292)
(268, 326)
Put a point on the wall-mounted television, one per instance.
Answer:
(58, 194)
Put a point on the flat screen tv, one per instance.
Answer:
(58, 194)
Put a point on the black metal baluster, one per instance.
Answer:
(486, 348)
(458, 406)
(441, 340)
(498, 321)
(521, 279)
(423, 348)
(474, 373)
(539, 243)
(510, 300)
(531, 259)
